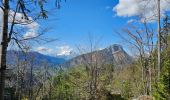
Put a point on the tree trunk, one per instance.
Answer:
(31, 82)
(150, 81)
(4, 45)
(159, 40)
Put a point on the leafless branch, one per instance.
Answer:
(12, 24)
(1, 8)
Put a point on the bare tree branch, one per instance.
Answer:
(12, 25)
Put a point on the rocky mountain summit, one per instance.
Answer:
(114, 54)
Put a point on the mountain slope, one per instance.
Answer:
(37, 58)
(114, 54)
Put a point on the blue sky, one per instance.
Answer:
(76, 19)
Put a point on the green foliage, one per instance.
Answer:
(73, 83)
(66, 84)
(127, 90)
(162, 88)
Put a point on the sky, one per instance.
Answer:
(78, 21)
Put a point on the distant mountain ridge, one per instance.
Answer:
(114, 54)
(38, 58)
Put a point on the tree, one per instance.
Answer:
(8, 33)
(161, 90)
(159, 39)
(165, 33)
(3, 48)
(141, 39)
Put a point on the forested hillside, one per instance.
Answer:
(84, 49)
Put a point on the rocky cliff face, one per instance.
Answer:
(114, 54)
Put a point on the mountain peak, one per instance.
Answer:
(115, 48)
(113, 54)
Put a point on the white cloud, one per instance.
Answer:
(126, 8)
(145, 8)
(32, 27)
(30, 33)
(64, 50)
(100, 48)
(130, 21)
(44, 50)
(30, 24)
(32, 30)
